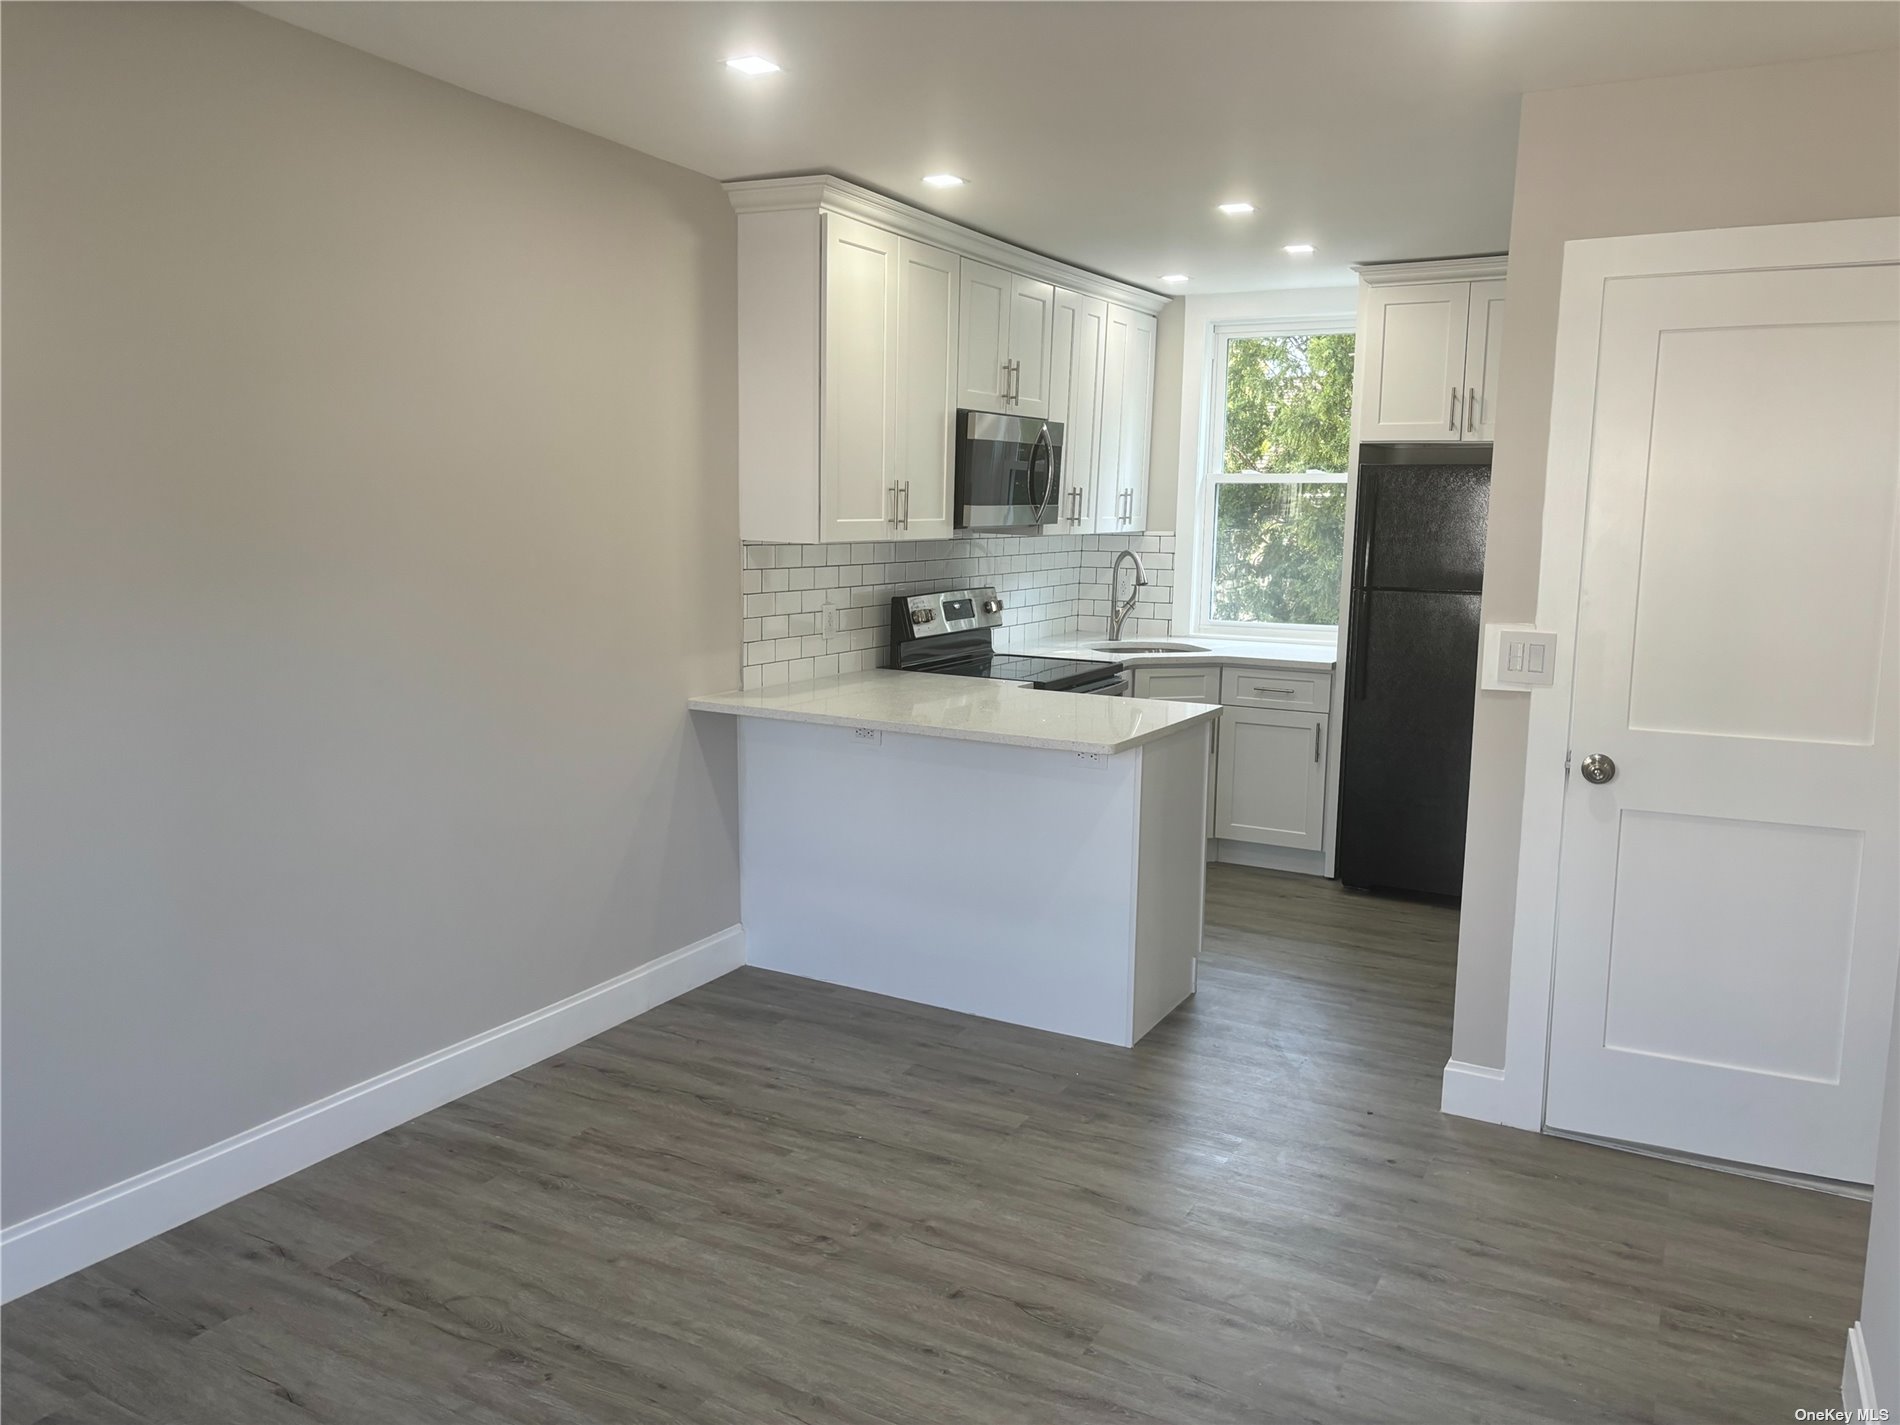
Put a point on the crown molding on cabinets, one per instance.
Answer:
(831, 194)
(1450, 269)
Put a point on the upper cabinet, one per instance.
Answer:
(864, 324)
(1007, 321)
(1429, 351)
(1127, 422)
(1075, 399)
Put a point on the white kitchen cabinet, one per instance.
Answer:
(926, 390)
(1484, 347)
(1173, 683)
(1429, 351)
(865, 323)
(1271, 777)
(1007, 321)
(1127, 422)
(889, 352)
(1075, 399)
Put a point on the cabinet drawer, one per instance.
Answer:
(1273, 688)
(1175, 684)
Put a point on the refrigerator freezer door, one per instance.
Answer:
(1422, 527)
(1405, 766)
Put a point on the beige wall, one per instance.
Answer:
(370, 513)
(1779, 144)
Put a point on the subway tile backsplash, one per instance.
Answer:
(812, 610)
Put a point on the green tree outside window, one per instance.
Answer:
(1279, 545)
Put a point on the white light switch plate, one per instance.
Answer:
(1517, 657)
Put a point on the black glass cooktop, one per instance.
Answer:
(1054, 673)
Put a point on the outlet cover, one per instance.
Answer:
(1517, 657)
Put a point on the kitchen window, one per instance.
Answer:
(1272, 517)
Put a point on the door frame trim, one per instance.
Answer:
(1587, 265)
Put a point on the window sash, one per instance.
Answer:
(1213, 475)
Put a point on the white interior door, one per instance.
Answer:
(1726, 922)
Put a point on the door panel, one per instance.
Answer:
(1271, 785)
(1405, 764)
(1728, 908)
(927, 378)
(1031, 321)
(1415, 355)
(859, 446)
(1422, 527)
(987, 294)
(1076, 400)
(1484, 351)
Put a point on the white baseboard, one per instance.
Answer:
(64, 1239)
(1857, 1379)
(1473, 1091)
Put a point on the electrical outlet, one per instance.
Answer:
(868, 735)
(829, 620)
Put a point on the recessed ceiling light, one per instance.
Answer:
(1300, 249)
(1175, 277)
(752, 64)
(943, 180)
(1236, 210)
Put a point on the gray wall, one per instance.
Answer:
(370, 513)
(1783, 143)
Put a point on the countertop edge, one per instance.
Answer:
(719, 703)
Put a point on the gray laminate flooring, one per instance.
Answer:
(776, 1200)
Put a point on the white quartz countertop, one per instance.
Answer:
(966, 709)
(1239, 652)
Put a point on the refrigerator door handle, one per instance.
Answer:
(1369, 521)
(1360, 636)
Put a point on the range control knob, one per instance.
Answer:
(923, 616)
(992, 606)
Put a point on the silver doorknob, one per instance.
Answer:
(1598, 768)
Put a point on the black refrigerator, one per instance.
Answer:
(1411, 666)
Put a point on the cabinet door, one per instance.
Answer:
(1032, 311)
(1271, 786)
(1121, 462)
(927, 303)
(1414, 352)
(858, 444)
(1075, 399)
(1484, 346)
(987, 297)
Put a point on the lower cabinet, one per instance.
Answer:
(1270, 784)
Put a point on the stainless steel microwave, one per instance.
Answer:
(1009, 472)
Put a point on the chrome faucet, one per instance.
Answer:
(1119, 609)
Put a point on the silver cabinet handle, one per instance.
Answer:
(1316, 741)
(1454, 410)
(905, 487)
(892, 517)
(1471, 410)
(1276, 692)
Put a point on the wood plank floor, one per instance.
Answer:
(774, 1200)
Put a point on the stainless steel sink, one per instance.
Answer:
(1138, 645)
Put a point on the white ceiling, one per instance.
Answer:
(1104, 134)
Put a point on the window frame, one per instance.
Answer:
(1211, 474)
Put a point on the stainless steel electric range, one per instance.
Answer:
(950, 633)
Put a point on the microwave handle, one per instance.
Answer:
(1050, 489)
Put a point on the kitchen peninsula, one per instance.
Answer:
(1029, 856)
